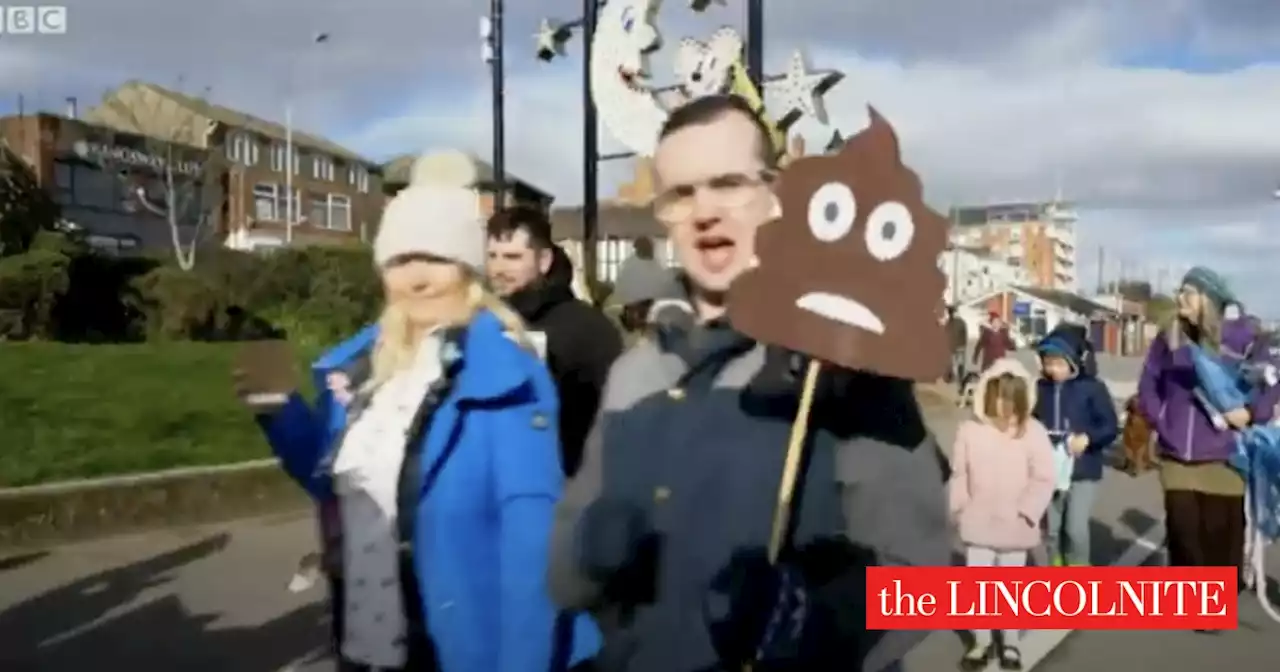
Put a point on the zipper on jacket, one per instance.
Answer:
(1191, 417)
(1057, 406)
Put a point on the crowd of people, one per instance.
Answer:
(1027, 468)
(506, 484)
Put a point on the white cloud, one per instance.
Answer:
(1167, 166)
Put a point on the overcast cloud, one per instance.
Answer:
(1161, 117)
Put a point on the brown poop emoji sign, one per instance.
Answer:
(849, 274)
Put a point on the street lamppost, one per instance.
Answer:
(492, 38)
(291, 214)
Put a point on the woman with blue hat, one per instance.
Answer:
(1203, 494)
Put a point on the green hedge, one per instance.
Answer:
(83, 411)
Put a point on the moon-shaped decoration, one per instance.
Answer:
(625, 36)
(629, 106)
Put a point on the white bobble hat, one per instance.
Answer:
(437, 214)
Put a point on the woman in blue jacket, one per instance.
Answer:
(444, 466)
(1078, 411)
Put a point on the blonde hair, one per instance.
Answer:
(1205, 332)
(396, 347)
(1010, 393)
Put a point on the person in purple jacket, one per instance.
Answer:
(1203, 494)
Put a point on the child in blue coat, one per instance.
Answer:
(1078, 411)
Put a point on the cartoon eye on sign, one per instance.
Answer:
(849, 273)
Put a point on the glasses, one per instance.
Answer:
(730, 191)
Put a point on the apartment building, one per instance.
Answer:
(395, 176)
(282, 186)
(95, 173)
(973, 272)
(1038, 237)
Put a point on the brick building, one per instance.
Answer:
(518, 192)
(337, 194)
(1037, 237)
(94, 173)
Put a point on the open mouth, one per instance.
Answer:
(716, 252)
(841, 309)
(633, 79)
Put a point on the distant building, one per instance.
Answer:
(337, 194)
(618, 226)
(94, 172)
(395, 176)
(1033, 312)
(976, 271)
(620, 221)
(1039, 237)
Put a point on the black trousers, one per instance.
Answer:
(1204, 530)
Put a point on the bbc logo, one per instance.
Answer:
(33, 20)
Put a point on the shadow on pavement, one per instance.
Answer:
(21, 560)
(73, 627)
(1106, 546)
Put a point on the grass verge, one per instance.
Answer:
(86, 411)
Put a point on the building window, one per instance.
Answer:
(339, 212)
(277, 157)
(265, 198)
(358, 177)
(242, 148)
(271, 205)
(319, 216)
(322, 168)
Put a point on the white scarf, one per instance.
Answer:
(373, 449)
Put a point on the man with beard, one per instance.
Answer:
(662, 533)
(535, 277)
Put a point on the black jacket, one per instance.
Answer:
(581, 346)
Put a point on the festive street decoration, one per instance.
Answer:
(633, 110)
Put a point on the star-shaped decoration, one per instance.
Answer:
(551, 37)
(835, 143)
(702, 5)
(803, 89)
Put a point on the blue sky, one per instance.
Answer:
(1161, 118)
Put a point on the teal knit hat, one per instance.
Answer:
(1211, 285)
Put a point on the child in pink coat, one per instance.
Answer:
(1002, 481)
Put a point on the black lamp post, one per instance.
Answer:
(492, 38)
(755, 43)
(590, 149)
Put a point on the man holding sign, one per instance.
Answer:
(670, 532)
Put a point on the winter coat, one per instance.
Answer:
(992, 346)
(1081, 404)
(581, 346)
(490, 471)
(1166, 398)
(1001, 484)
(692, 436)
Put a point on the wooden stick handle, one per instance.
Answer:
(791, 468)
(795, 455)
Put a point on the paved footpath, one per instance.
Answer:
(214, 599)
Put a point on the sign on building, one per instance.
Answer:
(102, 153)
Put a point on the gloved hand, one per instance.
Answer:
(609, 536)
(756, 611)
